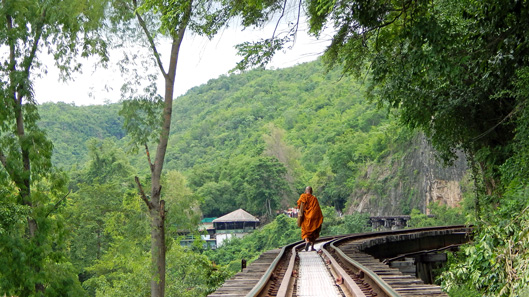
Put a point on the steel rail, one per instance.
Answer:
(285, 282)
(263, 281)
(377, 280)
(348, 282)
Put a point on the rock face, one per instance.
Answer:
(412, 181)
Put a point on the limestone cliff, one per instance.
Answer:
(415, 179)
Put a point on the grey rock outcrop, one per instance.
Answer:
(397, 185)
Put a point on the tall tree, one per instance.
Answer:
(161, 20)
(173, 22)
(26, 28)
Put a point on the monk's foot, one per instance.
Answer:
(307, 246)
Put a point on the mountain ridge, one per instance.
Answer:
(316, 124)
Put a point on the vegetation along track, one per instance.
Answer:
(367, 264)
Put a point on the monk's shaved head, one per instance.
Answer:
(308, 190)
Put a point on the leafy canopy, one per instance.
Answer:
(35, 249)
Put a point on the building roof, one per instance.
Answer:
(207, 220)
(239, 215)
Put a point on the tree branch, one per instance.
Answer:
(517, 108)
(383, 25)
(295, 27)
(297, 21)
(177, 41)
(29, 60)
(149, 157)
(280, 17)
(149, 38)
(57, 204)
(177, 37)
(142, 193)
(12, 62)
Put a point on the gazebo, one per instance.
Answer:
(237, 223)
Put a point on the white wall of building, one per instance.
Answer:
(221, 237)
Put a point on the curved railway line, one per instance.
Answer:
(368, 264)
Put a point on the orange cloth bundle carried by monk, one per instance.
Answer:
(312, 217)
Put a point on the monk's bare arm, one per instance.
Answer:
(300, 214)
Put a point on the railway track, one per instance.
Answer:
(350, 265)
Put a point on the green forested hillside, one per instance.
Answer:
(457, 71)
(70, 127)
(253, 140)
(250, 141)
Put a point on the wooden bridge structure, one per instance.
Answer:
(388, 263)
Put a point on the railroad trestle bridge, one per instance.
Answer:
(388, 263)
(389, 222)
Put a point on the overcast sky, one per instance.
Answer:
(200, 60)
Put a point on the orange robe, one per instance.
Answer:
(312, 217)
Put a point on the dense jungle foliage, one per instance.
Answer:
(457, 70)
(253, 140)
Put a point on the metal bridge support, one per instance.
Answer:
(427, 263)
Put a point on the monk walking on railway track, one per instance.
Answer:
(310, 218)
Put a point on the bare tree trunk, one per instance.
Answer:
(155, 204)
(158, 251)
